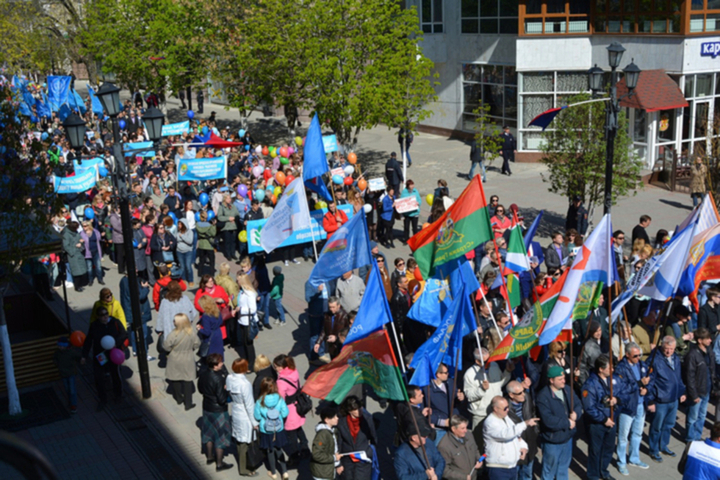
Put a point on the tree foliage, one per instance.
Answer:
(574, 152)
(487, 133)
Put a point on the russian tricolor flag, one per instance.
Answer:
(544, 119)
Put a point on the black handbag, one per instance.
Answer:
(255, 455)
(303, 403)
(160, 348)
(204, 348)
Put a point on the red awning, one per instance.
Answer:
(218, 142)
(655, 91)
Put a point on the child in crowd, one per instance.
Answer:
(276, 293)
(325, 461)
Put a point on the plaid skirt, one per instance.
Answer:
(216, 428)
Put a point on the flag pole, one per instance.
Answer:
(477, 336)
(492, 317)
(454, 390)
(312, 230)
(572, 374)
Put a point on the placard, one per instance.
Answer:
(330, 143)
(202, 169)
(405, 205)
(376, 184)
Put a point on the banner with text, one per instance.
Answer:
(175, 128)
(130, 148)
(300, 236)
(202, 169)
(83, 180)
(407, 204)
(89, 162)
(330, 143)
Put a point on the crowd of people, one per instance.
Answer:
(494, 419)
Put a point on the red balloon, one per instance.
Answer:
(348, 181)
(418, 275)
(77, 339)
(267, 174)
(265, 151)
(284, 152)
(288, 180)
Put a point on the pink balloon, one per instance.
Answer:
(291, 150)
(257, 171)
(117, 356)
(276, 163)
(261, 162)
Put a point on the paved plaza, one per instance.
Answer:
(157, 438)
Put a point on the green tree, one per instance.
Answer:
(487, 133)
(574, 152)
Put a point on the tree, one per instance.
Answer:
(574, 152)
(26, 201)
(487, 133)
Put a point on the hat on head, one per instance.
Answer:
(277, 270)
(393, 154)
(555, 371)
(373, 245)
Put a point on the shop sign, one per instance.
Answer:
(710, 49)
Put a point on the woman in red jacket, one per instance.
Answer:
(208, 287)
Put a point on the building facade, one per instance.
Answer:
(523, 57)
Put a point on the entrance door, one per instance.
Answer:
(702, 125)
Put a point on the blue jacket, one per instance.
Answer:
(439, 403)
(409, 466)
(630, 385)
(593, 391)
(272, 400)
(666, 384)
(695, 463)
(388, 210)
(555, 415)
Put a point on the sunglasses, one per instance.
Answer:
(108, 296)
(636, 356)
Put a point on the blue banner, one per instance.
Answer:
(58, 91)
(175, 128)
(95, 102)
(89, 162)
(83, 180)
(129, 147)
(202, 169)
(330, 143)
(300, 236)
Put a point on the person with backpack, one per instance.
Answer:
(270, 411)
(288, 383)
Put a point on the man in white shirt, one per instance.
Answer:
(504, 445)
(349, 290)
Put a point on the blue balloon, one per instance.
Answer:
(191, 114)
(121, 123)
(241, 132)
(197, 216)
(204, 199)
(173, 216)
(211, 215)
(135, 243)
(44, 136)
(247, 148)
(337, 179)
(259, 195)
(89, 213)
(205, 130)
(102, 171)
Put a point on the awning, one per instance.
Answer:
(655, 91)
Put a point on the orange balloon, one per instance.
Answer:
(273, 198)
(362, 184)
(77, 339)
(280, 178)
(418, 275)
(425, 225)
(352, 158)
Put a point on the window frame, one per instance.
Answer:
(480, 18)
(432, 24)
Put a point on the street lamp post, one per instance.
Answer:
(595, 75)
(109, 96)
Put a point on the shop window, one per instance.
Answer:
(489, 16)
(640, 127)
(703, 85)
(705, 16)
(431, 16)
(666, 125)
(493, 85)
(538, 82)
(638, 16)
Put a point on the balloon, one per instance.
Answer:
(89, 213)
(242, 190)
(102, 171)
(323, 204)
(277, 191)
(276, 163)
(205, 130)
(337, 179)
(121, 124)
(241, 133)
(418, 275)
(298, 141)
(242, 236)
(173, 216)
(284, 160)
(191, 114)
(44, 136)
(288, 180)
(273, 198)
(430, 198)
(247, 148)
(107, 342)
(348, 181)
(211, 215)
(425, 225)
(280, 177)
(367, 207)
(77, 338)
(362, 184)
(258, 149)
(261, 162)
(204, 199)
(349, 170)
(267, 174)
(117, 356)
(318, 206)
(265, 151)
(352, 158)
(135, 243)
(259, 195)
(197, 216)
(273, 153)
(257, 171)
(291, 150)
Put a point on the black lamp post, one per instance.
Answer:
(75, 129)
(109, 96)
(595, 80)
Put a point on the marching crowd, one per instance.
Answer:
(494, 419)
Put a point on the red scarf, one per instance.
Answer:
(354, 425)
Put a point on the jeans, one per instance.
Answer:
(206, 264)
(556, 460)
(133, 342)
(696, 419)
(150, 269)
(265, 306)
(407, 222)
(280, 309)
(185, 259)
(600, 450)
(661, 426)
(321, 351)
(315, 323)
(94, 268)
(474, 166)
(631, 425)
(296, 441)
(502, 473)
(696, 198)
(525, 472)
(69, 383)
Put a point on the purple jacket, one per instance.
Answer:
(85, 237)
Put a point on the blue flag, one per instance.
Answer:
(315, 163)
(347, 249)
(531, 231)
(95, 102)
(24, 109)
(58, 91)
(42, 109)
(78, 101)
(374, 311)
(445, 345)
(64, 112)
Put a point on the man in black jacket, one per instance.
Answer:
(522, 408)
(394, 173)
(105, 325)
(708, 316)
(697, 372)
(508, 150)
(417, 409)
(476, 158)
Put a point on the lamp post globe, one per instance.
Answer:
(75, 130)
(615, 53)
(109, 96)
(595, 78)
(153, 120)
(632, 75)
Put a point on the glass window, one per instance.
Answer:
(534, 105)
(431, 16)
(572, 82)
(469, 26)
(488, 25)
(493, 85)
(533, 7)
(489, 8)
(640, 126)
(538, 82)
(666, 125)
(469, 8)
(703, 85)
(713, 4)
(508, 8)
(712, 22)
(472, 72)
(702, 110)
(689, 86)
(472, 96)
(508, 25)
(697, 4)
(555, 6)
(686, 122)
(489, 16)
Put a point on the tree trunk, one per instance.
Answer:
(13, 395)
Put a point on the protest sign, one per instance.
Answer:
(175, 128)
(83, 180)
(405, 205)
(376, 184)
(202, 169)
(330, 143)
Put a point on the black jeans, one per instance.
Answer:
(246, 347)
(407, 221)
(120, 257)
(99, 372)
(297, 441)
(388, 234)
(206, 263)
(182, 392)
(229, 239)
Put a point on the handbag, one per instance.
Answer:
(160, 340)
(253, 330)
(204, 348)
(255, 455)
(168, 257)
